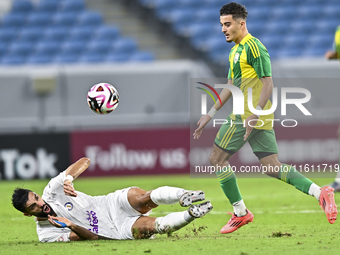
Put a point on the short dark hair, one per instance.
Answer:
(20, 198)
(234, 9)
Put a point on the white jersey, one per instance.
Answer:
(95, 213)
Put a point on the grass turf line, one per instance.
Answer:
(275, 228)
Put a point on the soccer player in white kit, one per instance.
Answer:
(63, 214)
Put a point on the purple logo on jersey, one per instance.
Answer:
(69, 206)
(93, 221)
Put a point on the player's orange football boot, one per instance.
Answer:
(236, 222)
(328, 204)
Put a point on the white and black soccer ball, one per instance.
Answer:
(103, 98)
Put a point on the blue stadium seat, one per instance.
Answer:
(13, 60)
(39, 59)
(257, 12)
(47, 48)
(124, 45)
(21, 6)
(90, 18)
(56, 33)
(283, 13)
(142, 56)
(303, 27)
(118, 57)
(331, 11)
(207, 15)
(66, 58)
(256, 28)
(7, 34)
(92, 58)
(71, 6)
(310, 10)
(64, 18)
(276, 28)
(81, 33)
(214, 43)
(48, 6)
(73, 47)
(289, 52)
(314, 52)
(106, 33)
(323, 40)
(31, 34)
(272, 43)
(38, 19)
(181, 15)
(3, 48)
(21, 48)
(99, 46)
(220, 57)
(165, 4)
(327, 26)
(292, 41)
(14, 20)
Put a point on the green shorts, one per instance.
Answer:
(230, 139)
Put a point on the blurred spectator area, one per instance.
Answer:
(288, 28)
(62, 31)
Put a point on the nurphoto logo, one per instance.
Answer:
(238, 103)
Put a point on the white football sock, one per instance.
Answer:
(166, 195)
(314, 190)
(172, 222)
(240, 208)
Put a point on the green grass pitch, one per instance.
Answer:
(286, 221)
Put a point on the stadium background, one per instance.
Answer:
(53, 51)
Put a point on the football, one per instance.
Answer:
(103, 98)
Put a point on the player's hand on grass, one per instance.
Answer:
(68, 189)
(251, 119)
(201, 124)
(53, 220)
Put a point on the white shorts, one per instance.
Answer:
(122, 213)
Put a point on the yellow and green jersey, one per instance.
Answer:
(337, 41)
(249, 61)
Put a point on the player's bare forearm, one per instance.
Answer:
(78, 167)
(78, 233)
(82, 233)
(224, 95)
(266, 91)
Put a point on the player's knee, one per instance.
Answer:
(215, 160)
(144, 228)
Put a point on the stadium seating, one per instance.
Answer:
(288, 28)
(62, 32)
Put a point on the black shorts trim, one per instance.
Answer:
(260, 154)
(227, 151)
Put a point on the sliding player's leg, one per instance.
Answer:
(143, 201)
(145, 226)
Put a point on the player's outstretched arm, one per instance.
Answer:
(224, 95)
(72, 172)
(78, 233)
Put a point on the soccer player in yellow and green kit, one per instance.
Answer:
(335, 54)
(250, 67)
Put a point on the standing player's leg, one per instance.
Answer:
(228, 141)
(143, 201)
(263, 143)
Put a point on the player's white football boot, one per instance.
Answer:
(199, 210)
(191, 197)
